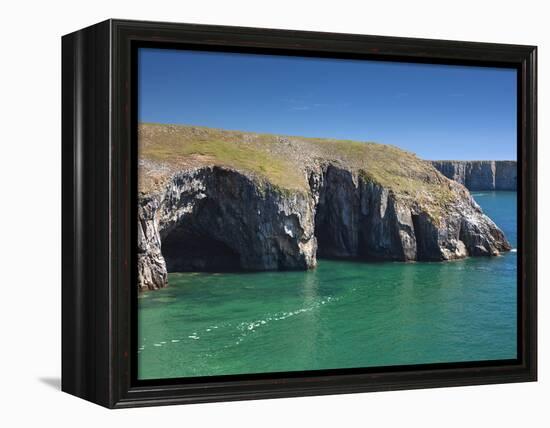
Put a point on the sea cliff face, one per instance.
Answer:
(481, 175)
(203, 214)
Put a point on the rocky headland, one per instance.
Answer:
(215, 200)
(481, 175)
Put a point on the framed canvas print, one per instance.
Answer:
(253, 213)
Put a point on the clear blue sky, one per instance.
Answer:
(435, 111)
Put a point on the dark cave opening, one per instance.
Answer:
(186, 249)
(320, 233)
(337, 215)
(336, 231)
(328, 243)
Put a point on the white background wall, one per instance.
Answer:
(30, 209)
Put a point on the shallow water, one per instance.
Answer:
(341, 315)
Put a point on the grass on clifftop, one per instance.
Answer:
(199, 147)
(283, 160)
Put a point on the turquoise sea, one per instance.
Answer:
(341, 315)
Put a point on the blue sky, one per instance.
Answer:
(435, 111)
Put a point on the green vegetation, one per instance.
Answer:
(283, 161)
(177, 146)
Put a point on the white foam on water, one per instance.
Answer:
(175, 340)
(252, 326)
(514, 250)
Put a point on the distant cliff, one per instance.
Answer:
(215, 200)
(481, 175)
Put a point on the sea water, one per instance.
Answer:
(343, 314)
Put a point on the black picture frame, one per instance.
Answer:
(99, 213)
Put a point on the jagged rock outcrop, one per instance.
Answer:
(213, 218)
(200, 223)
(481, 175)
(377, 203)
(357, 218)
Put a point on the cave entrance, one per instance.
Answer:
(329, 244)
(337, 240)
(337, 216)
(186, 249)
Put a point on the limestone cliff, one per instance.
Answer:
(481, 175)
(212, 200)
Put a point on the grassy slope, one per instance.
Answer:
(165, 149)
(176, 146)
